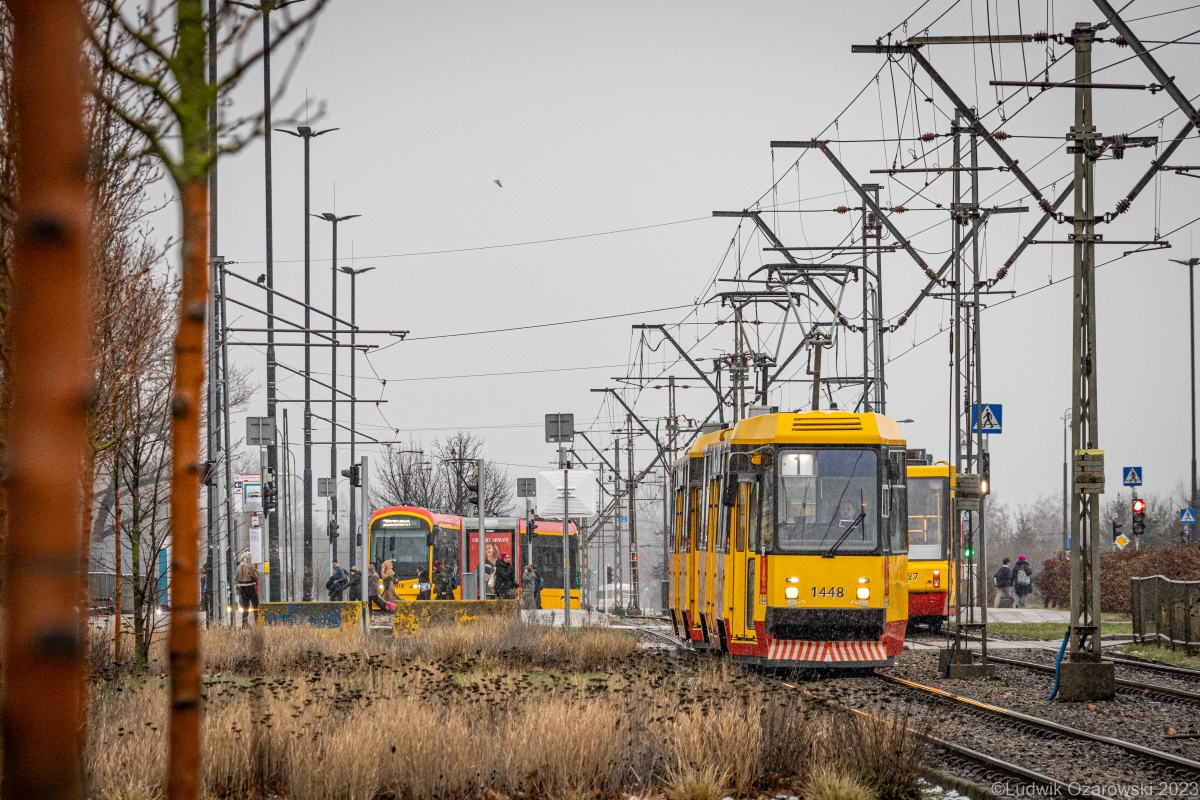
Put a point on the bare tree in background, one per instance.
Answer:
(407, 477)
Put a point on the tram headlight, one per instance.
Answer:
(791, 593)
(863, 593)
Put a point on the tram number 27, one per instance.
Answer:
(829, 592)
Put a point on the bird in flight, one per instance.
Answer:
(262, 278)
(498, 183)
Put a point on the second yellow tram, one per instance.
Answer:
(789, 544)
(930, 581)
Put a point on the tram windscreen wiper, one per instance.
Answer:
(862, 515)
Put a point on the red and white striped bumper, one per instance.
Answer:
(792, 650)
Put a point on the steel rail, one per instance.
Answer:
(992, 766)
(1169, 760)
(1152, 667)
(1133, 686)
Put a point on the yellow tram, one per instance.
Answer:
(789, 546)
(930, 580)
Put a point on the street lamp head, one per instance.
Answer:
(1191, 262)
(329, 217)
(352, 271)
(905, 420)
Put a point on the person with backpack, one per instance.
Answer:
(1003, 580)
(1023, 579)
(336, 585)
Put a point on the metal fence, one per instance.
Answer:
(1166, 612)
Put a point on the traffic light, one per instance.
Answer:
(354, 474)
(473, 490)
(985, 476)
(968, 552)
(270, 492)
(1139, 516)
(1117, 529)
(608, 576)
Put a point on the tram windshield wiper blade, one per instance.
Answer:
(861, 516)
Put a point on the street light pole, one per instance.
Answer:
(354, 273)
(307, 134)
(333, 219)
(265, 7)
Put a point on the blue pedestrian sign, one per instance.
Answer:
(1187, 516)
(1131, 476)
(987, 418)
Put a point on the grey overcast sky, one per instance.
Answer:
(609, 116)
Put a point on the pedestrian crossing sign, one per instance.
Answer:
(987, 418)
(1132, 476)
(1121, 541)
(1187, 516)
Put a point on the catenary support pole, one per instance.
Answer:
(230, 543)
(213, 608)
(566, 538)
(45, 652)
(481, 575)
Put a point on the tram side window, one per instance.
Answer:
(767, 516)
(928, 505)
(693, 518)
(679, 535)
(754, 516)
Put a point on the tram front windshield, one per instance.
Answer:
(928, 506)
(404, 541)
(825, 495)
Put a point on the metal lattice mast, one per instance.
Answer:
(1085, 436)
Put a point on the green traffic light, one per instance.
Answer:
(968, 552)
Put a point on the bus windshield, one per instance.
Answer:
(547, 559)
(928, 506)
(403, 540)
(822, 493)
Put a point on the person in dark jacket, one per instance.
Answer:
(443, 582)
(1003, 580)
(354, 587)
(336, 585)
(1023, 580)
(530, 596)
(506, 579)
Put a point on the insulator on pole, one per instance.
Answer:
(928, 137)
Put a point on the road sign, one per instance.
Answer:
(1132, 476)
(260, 431)
(526, 487)
(1121, 541)
(988, 420)
(560, 427)
(251, 494)
(624, 519)
(1187, 516)
(326, 487)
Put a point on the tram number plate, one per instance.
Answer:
(912, 576)
(828, 591)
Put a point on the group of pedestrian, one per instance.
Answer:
(1009, 579)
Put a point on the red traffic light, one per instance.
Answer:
(1139, 506)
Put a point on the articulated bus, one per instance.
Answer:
(413, 538)
(790, 541)
(930, 580)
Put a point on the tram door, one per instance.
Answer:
(693, 561)
(743, 565)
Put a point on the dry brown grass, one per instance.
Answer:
(459, 714)
(830, 783)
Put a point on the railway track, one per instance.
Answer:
(1105, 754)
(1133, 687)
(1150, 666)
(963, 763)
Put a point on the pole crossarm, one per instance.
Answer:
(663, 330)
(777, 243)
(278, 293)
(936, 280)
(1028, 240)
(633, 414)
(967, 111)
(1166, 81)
(866, 198)
(596, 450)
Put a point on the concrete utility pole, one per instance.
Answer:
(307, 134)
(618, 560)
(1085, 677)
(230, 523)
(213, 610)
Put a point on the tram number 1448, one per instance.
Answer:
(829, 591)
